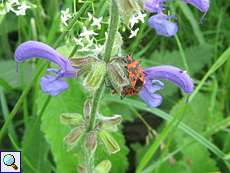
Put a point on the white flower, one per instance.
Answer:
(134, 33)
(21, 10)
(90, 16)
(79, 41)
(136, 18)
(65, 16)
(86, 33)
(97, 22)
(133, 20)
(16, 7)
(141, 16)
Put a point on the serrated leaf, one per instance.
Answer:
(35, 148)
(69, 101)
(9, 74)
(197, 57)
(200, 161)
(198, 117)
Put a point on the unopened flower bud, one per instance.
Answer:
(91, 141)
(117, 74)
(81, 62)
(74, 135)
(103, 167)
(71, 119)
(111, 123)
(109, 142)
(81, 169)
(87, 109)
(92, 71)
(95, 76)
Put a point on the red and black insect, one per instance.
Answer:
(136, 77)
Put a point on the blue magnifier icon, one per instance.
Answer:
(9, 160)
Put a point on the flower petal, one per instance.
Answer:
(173, 74)
(162, 26)
(202, 5)
(153, 85)
(31, 49)
(151, 99)
(154, 6)
(53, 85)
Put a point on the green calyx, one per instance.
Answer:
(95, 76)
(74, 136)
(103, 167)
(110, 123)
(71, 119)
(109, 142)
(92, 71)
(117, 75)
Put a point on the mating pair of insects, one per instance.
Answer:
(124, 74)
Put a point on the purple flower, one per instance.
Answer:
(50, 84)
(153, 75)
(162, 25)
(202, 5)
(154, 6)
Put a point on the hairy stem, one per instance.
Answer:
(113, 27)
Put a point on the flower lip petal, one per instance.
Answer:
(162, 25)
(153, 85)
(53, 85)
(170, 73)
(151, 99)
(31, 49)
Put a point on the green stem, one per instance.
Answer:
(113, 27)
(182, 53)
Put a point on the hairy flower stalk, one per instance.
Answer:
(113, 27)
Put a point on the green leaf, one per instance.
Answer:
(35, 148)
(218, 63)
(72, 100)
(184, 127)
(69, 101)
(197, 114)
(196, 59)
(10, 77)
(194, 160)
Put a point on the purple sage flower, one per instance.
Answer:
(153, 77)
(52, 82)
(160, 22)
(202, 5)
(154, 6)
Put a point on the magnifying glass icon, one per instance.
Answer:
(9, 160)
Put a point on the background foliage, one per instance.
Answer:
(193, 138)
